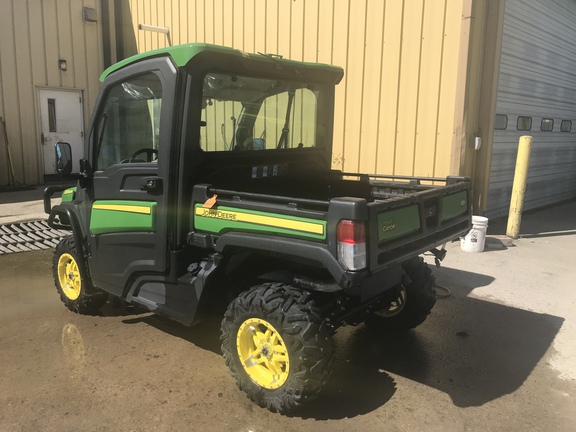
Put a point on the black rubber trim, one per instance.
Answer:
(288, 247)
(74, 225)
(48, 192)
(56, 210)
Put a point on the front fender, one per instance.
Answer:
(61, 217)
(64, 217)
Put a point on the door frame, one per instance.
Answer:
(37, 89)
(143, 260)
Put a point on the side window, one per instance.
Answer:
(547, 125)
(524, 123)
(566, 126)
(501, 122)
(128, 126)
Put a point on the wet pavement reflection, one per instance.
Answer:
(473, 365)
(73, 348)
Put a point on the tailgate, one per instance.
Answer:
(404, 225)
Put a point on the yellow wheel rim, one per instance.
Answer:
(395, 307)
(263, 353)
(69, 276)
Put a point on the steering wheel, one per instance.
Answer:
(149, 153)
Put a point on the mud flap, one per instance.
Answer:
(381, 281)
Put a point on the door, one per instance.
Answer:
(61, 117)
(129, 145)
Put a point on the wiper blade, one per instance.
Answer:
(283, 143)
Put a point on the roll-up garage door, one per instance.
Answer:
(537, 97)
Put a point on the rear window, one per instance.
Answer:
(242, 113)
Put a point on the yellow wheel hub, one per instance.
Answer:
(395, 307)
(69, 276)
(263, 353)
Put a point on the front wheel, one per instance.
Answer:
(74, 288)
(277, 346)
(413, 301)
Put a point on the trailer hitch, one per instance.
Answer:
(439, 254)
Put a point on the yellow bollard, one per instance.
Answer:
(519, 186)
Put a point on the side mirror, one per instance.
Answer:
(63, 158)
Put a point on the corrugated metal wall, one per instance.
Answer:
(395, 110)
(537, 80)
(34, 35)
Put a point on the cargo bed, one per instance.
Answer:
(405, 216)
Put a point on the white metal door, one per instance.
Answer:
(61, 114)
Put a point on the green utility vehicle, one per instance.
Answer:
(207, 182)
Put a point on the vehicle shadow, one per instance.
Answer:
(205, 334)
(116, 307)
(473, 350)
(351, 391)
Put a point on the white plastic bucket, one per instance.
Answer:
(476, 237)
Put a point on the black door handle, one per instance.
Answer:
(151, 184)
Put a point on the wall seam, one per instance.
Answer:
(58, 43)
(44, 50)
(265, 27)
(317, 30)
(398, 90)
(346, 87)
(440, 87)
(38, 162)
(72, 43)
(303, 30)
(362, 86)
(418, 90)
(332, 35)
(290, 33)
(379, 111)
(19, 110)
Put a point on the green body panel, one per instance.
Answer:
(182, 54)
(454, 205)
(399, 222)
(220, 219)
(69, 194)
(122, 216)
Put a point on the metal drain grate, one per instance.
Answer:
(28, 236)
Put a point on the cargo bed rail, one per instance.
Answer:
(238, 195)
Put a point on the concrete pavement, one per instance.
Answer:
(23, 205)
(499, 353)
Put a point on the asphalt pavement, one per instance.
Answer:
(497, 353)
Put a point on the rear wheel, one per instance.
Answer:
(413, 301)
(69, 273)
(277, 346)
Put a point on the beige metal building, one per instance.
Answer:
(50, 61)
(423, 78)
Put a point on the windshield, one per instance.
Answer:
(246, 113)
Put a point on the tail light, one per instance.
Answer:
(352, 244)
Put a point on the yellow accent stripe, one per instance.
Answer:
(122, 208)
(233, 216)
